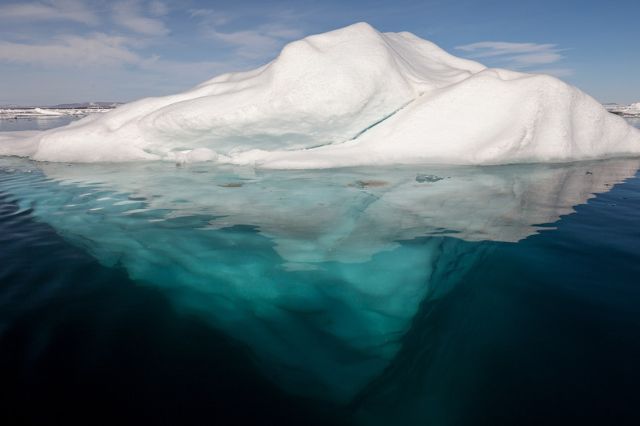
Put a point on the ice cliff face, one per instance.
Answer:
(353, 96)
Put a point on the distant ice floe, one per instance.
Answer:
(18, 113)
(350, 97)
(632, 110)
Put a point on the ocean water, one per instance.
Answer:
(435, 295)
(35, 123)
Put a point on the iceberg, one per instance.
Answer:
(350, 97)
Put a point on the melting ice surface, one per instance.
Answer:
(319, 273)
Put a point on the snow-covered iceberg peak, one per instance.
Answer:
(352, 96)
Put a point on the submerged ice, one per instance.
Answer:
(350, 97)
(322, 272)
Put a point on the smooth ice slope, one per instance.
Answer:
(353, 96)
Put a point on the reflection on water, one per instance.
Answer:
(543, 329)
(320, 273)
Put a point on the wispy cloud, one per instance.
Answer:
(129, 14)
(556, 72)
(158, 8)
(97, 49)
(521, 56)
(113, 55)
(210, 17)
(253, 43)
(52, 10)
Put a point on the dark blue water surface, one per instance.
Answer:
(425, 295)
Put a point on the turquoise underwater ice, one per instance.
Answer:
(319, 273)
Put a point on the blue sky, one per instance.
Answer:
(55, 51)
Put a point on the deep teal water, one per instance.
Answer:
(158, 294)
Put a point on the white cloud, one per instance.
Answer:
(514, 55)
(51, 10)
(250, 43)
(158, 8)
(71, 51)
(112, 57)
(257, 42)
(128, 14)
(210, 16)
(485, 49)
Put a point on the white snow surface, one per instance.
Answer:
(352, 96)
